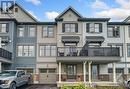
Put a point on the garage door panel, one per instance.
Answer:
(47, 76)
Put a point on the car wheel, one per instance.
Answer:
(12, 85)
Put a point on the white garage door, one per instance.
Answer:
(47, 76)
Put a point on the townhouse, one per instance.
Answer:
(70, 50)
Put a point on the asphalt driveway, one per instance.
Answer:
(38, 87)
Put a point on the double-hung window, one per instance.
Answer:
(94, 27)
(3, 28)
(128, 50)
(26, 51)
(47, 50)
(31, 31)
(113, 31)
(48, 31)
(21, 30)
(69, 27)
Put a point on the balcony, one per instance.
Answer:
(5, 54)
(92, 53)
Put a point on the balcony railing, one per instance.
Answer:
(5, 54)
(89, 52)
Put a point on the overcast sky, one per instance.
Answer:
(47, 10)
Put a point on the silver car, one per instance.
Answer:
(13, 78)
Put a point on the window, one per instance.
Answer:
(20, 50)
(48, 31)
(94, 27)
(26, 51)
(47, 50)
(129, 30)
(3, 28)
(118, 70)
(128, 50)
(16, 9)
(70, 27)
(21, 31)
(51, 71)
(31, 31)
(27, 70)
(113, 31)
(43, 70)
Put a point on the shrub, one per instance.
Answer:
(82, 86)
(78, 86)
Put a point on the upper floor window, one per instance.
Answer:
(4, 28)
(129, 30)
(47, 50)
(21, 31)
(48, 31)
(94, 27)
(113, 31)
(26, 50)
(31, 31)
(128, 50)
(69, 27)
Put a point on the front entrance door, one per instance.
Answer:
(95, 71)
(71, 71)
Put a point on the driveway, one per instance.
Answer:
(38, 87)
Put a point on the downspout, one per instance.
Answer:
(125, 49)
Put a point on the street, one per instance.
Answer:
(38, 87)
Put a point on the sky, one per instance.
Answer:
(47, 10)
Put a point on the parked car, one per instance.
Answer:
(13, 78)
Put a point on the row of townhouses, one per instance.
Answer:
(71, 49)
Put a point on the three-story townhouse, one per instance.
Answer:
(46, 66)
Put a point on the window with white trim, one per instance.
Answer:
(3, 28)
(26, 50)
(48, 31)
(47, 50)
(21, 30)
(113, 31)
(31, 31)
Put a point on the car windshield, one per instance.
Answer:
(7, 73)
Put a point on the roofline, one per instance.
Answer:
(36, 23)
(127, 19)
(8, 19)
(69, 8)
(118, 23)
(94, 19)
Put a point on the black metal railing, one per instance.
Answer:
(90, 52)
(5, 54)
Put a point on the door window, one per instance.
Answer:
(43, 70)
(71, 71)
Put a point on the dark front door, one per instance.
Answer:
(71, 71)
(95, 71)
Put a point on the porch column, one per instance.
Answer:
(59, 71)
(84, 70)
(89, 71)
(0, 42)
(0, 66)
(114, 72)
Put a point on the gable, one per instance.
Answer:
(21, 16)
(69, 14)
